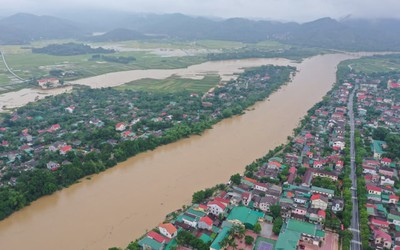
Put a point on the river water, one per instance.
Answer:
(117, 206)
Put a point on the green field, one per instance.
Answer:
(150, 54)
(373, 64)
(173, 84)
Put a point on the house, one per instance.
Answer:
(216, 207)
(152, 241)
(293, 231)
(120, 126)
(319, 201)
(205, 223)
(386, 171)
(246, 198)
(382, 239)
(260, 186)
(215, 245)
(70, 109)
(374, 190)
(324, 191)
(52, 165)
(64, 150)
(339, 144)
(386, 161)
(337, 205)
(377, 148)
(55, 127)
(244, 216)
(379, 223)
(48, 82)
(274, 165)
(266, 202)
(168, 230)
(393, 199)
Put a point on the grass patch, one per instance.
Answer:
(173, 84)
(374, 64)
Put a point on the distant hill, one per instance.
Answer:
(346, 34)
(118, 35)
(23, 28)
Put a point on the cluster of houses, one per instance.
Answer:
(43, 134)
(314, 153)
(378, 105)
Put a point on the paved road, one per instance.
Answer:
(8, 68)
(355, 225)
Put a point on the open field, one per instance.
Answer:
(150, 54)
(173, 84)
(373, 64)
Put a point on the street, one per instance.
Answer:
(354, 227)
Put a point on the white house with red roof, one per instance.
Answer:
(319, 201)
(261, 186)
(205, 223)
(394, 199)
(374, 190)
(70, 109)
(386, 161)
(382, 239)
(156, 236)
(64, 150)
(168, 230)
(55, 127)
(246, 198)
(120, 126)
(44, 83)
(216, 207)
(380, 223)
(274, 165)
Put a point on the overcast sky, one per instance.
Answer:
(288, 10)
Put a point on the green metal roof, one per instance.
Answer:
(301, 227)
(393, 217)
(221, 236)
(377, 146)
(245, 215)
(323, 190)
(287, 240)
(146, 241)
(205, 238)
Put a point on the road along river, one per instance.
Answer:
(117, 206)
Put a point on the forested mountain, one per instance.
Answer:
(346, 34)
(23, 28)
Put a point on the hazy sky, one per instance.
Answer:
(291, 10)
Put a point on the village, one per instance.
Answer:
(298, 196)
(51, 143)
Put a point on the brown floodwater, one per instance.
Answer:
(119, 205)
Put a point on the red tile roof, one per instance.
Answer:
(373, 188)
(217, 203)
(171, 229)
(207, 220)
(156, 236)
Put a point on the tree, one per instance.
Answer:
(275, 211)
(276, 228)
(198, 196)
(257, 228)
(236, 179)
(248, 240)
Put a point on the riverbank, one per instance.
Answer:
(113, 216)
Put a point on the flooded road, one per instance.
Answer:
(117, 206)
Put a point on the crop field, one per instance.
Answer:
(173, 84)
(374, 64)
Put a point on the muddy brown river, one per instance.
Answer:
(119, 205)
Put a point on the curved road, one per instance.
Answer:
(355, 225)
(8, 68)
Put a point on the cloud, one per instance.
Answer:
(291, 10)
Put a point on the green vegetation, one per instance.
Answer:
(202, 195)
(173, 84)
(151, 120)
(374, 64)
(276, 228)
(248, 240)
(119, 59)
(70, 49)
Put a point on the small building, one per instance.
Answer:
(168, 230)
(245, 216)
